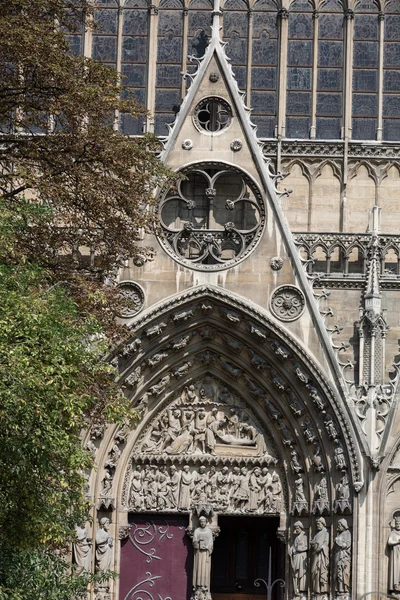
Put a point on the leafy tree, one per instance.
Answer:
(74, 196)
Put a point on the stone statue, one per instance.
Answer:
(295, 464)
(241, 494)
(82, 547)
(276, 494)
(340, 459)
(203, 547)
(342, 557)
(321, 502)
(298, 558)
(320, 558)
(186, 483)
(343, 501)
(394, 562)
(300, 501)
(104, 544)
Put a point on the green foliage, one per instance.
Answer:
(51, 385)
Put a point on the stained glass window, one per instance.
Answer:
(169, 63)
(264, 67)
(299, 71)
(391, 74)
(105, 35)
(134, 58)
(236, 33)
(330, 71)
(199, 29)
(365, 72)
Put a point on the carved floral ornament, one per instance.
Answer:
(287, 303)
(212, 219)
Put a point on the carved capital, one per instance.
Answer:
(282, 536)
(153, 9)
(124, 530)
(283, 13)
(349, 14)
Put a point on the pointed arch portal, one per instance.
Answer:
(236, 420)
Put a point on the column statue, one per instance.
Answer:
(298, 558)
(203, 547)
(320, 558)
(104, 544)
(342, 557)
(82, 549)
(394, 560)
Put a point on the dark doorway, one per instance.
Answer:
(241, 555)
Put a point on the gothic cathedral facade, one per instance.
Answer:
(264, 334)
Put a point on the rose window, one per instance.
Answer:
(212, 115)
(212, 218)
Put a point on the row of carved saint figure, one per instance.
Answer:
(230, 489)
(320, 558)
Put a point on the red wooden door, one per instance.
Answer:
(156, 559)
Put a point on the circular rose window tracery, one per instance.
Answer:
(212, 115)
(211, 219)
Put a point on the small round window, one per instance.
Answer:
(212, 219)
(212, 115)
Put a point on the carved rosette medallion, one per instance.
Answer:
(276, 263)
(287, 303)
(187, 144)
(135, 297)
(236, 145)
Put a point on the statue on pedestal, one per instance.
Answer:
(394, 562)
(203, 547)
(82, 549)
(104, 545)
(298, 558)
(320, 558)
(342, 558)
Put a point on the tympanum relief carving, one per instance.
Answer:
(225, 489)
(206, 420)
(205, 448)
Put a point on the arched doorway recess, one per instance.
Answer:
(234, 409)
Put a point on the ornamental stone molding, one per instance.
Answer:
(155, 325)
(287, 303)
(135, 297)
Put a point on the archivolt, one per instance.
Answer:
(209, 331)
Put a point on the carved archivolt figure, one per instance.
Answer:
(104, 544)
(82, 549)
(298, 558)
(342, 557)
(203, 547)
(320, 558)
(394, 564)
